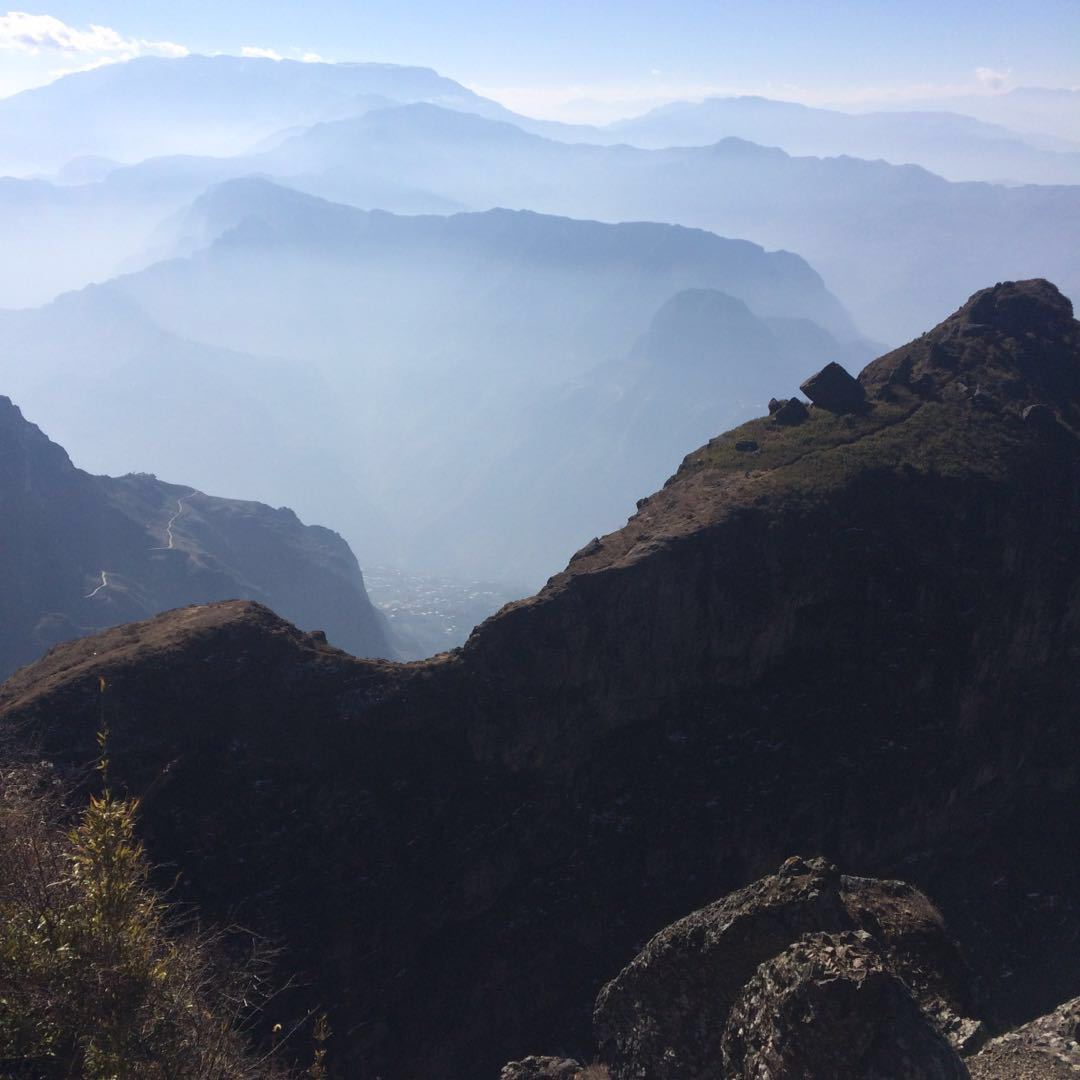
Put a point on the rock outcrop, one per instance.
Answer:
(860, 640)
(1047, 1048)
(830, 1006)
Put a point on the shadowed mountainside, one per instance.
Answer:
(854, 635)
(83, 552)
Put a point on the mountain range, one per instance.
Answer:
(196, 104)
(848, 629)
(153, 106)
(891, 240)
(953, 145)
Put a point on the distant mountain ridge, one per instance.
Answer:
(84, 552)
(195, 104)
(952, 145)
(891, 240)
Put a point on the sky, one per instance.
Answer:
(568, 59)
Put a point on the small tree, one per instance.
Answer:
(97, 979)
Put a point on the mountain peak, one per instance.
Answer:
(24, 446)
(1013, 344)
(1020, 307)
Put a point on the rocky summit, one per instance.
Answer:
(858, 638)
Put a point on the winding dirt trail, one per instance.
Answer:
(170, 540)
(104, 584)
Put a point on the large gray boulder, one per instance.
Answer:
(835, 389)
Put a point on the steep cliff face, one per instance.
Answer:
(82, 552)
(856, 635)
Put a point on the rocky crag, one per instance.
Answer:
(83, 552)
(852, 633)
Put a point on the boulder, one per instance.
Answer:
(830, 1006)
(791, 412)
(663, 1016)
(833, 388)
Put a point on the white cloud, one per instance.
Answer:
(991, 79)
(260, 53)
(312, 58)
(36, 34)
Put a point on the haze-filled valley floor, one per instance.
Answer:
(537, 590)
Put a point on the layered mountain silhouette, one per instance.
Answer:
(83, 552)
(379, 371)
(1047, 114)
(197, 104)
(891, 240)
(849, 629)
(955, 146)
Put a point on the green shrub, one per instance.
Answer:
(97, 978)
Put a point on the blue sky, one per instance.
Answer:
(542, 54)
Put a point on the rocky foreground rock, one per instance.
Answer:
(808, 974)
(859, 639)
(688, 1000)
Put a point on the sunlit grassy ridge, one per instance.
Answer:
(827, 449)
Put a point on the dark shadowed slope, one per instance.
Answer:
(859, 639)
(82, 552)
